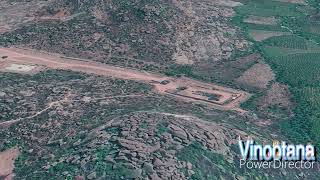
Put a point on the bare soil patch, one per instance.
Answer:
(19, 68)
(260, 35)
(261, 20)
(192, 90)
(258, 76)
(7, 162)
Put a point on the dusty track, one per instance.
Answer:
(182, 88)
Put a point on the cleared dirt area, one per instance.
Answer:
(182, 88)
(19, 68)
(7, 163)
(191, 90)
(260, 35)
(261, 20)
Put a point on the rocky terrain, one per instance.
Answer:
(90, 127)
(62, 124)
(150, 35)
(85, 115)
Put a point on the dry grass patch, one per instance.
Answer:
(228, 3)
(294, 1)
(260, 35)
(182, 59)
(275, 102)
(261, 20)
(258, 76)
(277, 95)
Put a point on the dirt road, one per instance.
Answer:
(33, 58)
(182, 88)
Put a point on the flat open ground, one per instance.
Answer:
(182, 88)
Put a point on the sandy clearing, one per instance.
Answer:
(22, 68)
(228, 98)
(7, 159)
(19, 67)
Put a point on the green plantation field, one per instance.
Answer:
(313, 29)
(271, 51)
(305, 125)
(288, 45)
(297, 64)
(298, 70)
(287, 41)
(294, 58)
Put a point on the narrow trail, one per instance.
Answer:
(65, 99)
(49, 106)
